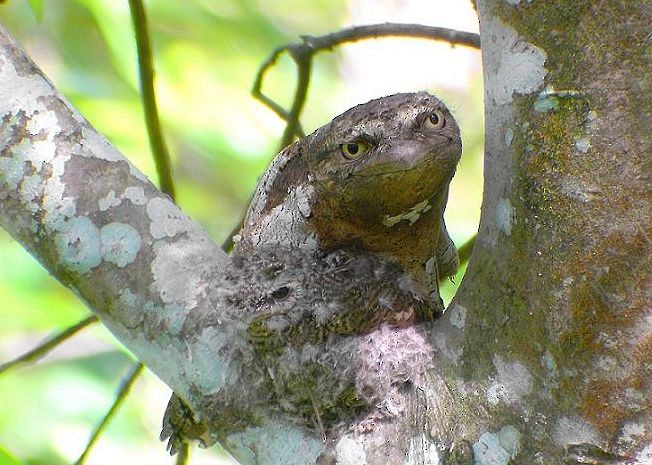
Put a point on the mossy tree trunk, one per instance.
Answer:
(544, 355)
(551, 330)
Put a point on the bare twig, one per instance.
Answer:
(48, 345)
(464, 252)
(258, 84)
(183, 455)
(228, 243)
(373, 31)
(302, 56)
(303, 52)
(123, 391)
(146, 70)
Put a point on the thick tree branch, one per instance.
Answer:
(107, 238)
(97, 224)
(549, 334)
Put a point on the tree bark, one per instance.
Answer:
(548, 339)
(544, 355)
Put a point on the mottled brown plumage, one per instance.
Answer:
(288, 299)
(371, 183)
(388, 197)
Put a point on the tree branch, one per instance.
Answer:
(151, 275)
(108, 239)
(146, 71)
(302, 53)
(123, 391)
(374, 31)
(48, 345)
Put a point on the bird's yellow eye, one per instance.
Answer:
(435, 120)
(353, 150)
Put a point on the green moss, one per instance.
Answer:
(508, 313)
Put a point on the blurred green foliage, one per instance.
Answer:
(206, 56)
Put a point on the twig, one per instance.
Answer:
(302, 56)
(123, 391)
(258, 84)
(228, 243)
(48, 345)
(303, 52)
(183, 455)
(373, 31)
(464, 252)
(152, 121)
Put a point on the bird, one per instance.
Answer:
(288, 304)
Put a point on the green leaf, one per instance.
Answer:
(37, 9)
(7, 459)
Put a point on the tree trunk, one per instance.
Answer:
(548, 341)
(544, 355)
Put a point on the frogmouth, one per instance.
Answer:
(291, 312)
(368, 189)
(376, 176)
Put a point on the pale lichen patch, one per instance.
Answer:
(31, 190)
(350, 451)
(497, 448)
(548, 361)
(276, 444)
(574, 431)
(583, 144)
(108, 201)
(509, 136)
(166, 219)
(26, 156)
(23, 92)
(173, 286)
(135, 194)
(547, 103)
(44, 121)
(134, 314)
(513, 65)
(504, 215)
(120, 243)
(513, 381)
(458, 316)
(57, 207)
(78, 245)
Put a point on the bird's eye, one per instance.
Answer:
(435, 120)
(353, 150)
(281, 293)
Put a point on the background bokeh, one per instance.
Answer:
(206, 55)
